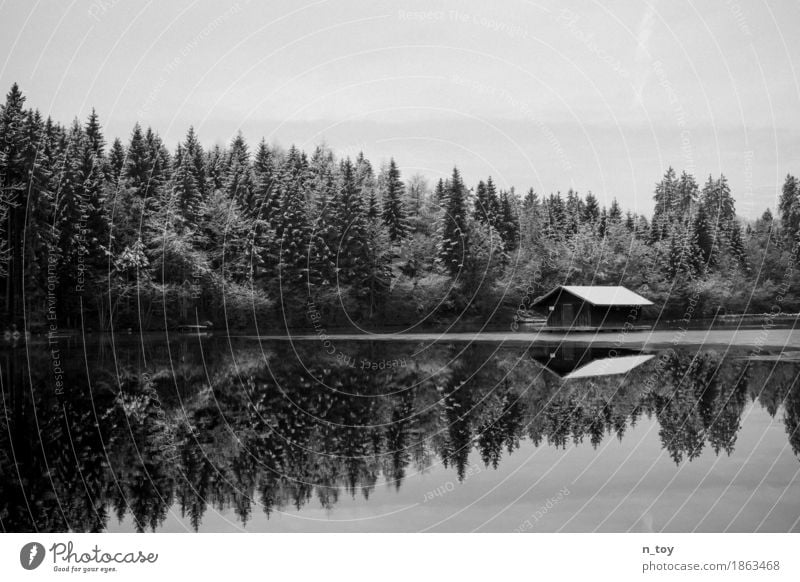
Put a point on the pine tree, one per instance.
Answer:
(394, 215)
(93, 168)
(238, 175)
(323, 186)
(13, 179)
(591, 209)
(197, 159)
(615, 211)
(630, 221)
(704, 237)
(666, 198)
(530, 223)
(265, 175)
(185, 193)
(160, 171)
(115, 163)
(41, 234)
(367, 187)
(453, 243)
(718, 202)
(94, 136)
(481, 209)
(215, 169)
(73, 208)
(556, 217)
(293, 230)
(350, 223)
(138, 163)
(602, 223)
(439, 194)
(686, 196)
(789, 208)
(508, 222)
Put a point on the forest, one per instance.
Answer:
(137, 234)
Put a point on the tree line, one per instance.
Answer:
(139, 235)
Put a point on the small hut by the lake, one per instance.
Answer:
(592, 307)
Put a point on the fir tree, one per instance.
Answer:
(185, 190)
(115, 163)
(292, 228)
(591, 209)
(238, 176)
(704, 237)
(615, 212)
(508, 222)
(789, 208)
(666, 198)
(453, 242)
(197, 161)
(138, 163)
(394, 215)
(13, 179)
(439, 193)
(350, 223)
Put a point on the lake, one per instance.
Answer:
(426, 432)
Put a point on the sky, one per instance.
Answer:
(550, 95)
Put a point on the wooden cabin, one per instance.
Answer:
(589, 308)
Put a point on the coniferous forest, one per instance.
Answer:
(100, 233)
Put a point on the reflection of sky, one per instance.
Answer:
(632, 484)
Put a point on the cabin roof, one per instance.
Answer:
(608, 367)
(599, 295)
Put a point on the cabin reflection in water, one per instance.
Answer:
(570, 362)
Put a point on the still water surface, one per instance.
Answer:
(236, 434)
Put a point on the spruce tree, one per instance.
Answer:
(704, 237)
(453, 242)
(350, 223)
(686, 196)
(666, 198)
(508, 222)
(115, 163)
(394, 215)
(615, 211)
(138, 163)
(439, 194)
(591, 209)
(196, 158)
(292, 228)
(238, 175)
(13, 179)
(481, 210)
(789, 208)
(185, 191)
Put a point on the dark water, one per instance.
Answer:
(218, 434)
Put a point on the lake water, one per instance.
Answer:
(416, 434)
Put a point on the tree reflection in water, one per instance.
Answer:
(276, 429)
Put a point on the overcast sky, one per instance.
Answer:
(552, 95)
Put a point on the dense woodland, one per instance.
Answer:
(174, 427)
(136, 234)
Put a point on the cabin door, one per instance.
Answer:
(583, 319)
(567, 314)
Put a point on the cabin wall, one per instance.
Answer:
(571, 311)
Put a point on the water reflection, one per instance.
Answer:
(135, 433)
